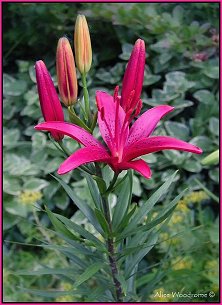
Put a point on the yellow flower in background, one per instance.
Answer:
(195, 197)
(215, 287)
(166, 239)
(82, 43)
(30, 197)
(65, 298)
(182, 206)
(181, 263)
(212, 268)
(176, 218)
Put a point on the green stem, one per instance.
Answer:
(65, 149)
(110, 240)
(86, 97)
(111, 251)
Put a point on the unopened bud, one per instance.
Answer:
(133, 77)
(49, 100)
(66, 72)
(82, 42)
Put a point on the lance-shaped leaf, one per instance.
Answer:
(123, 201)
(79, 229)
(59, 226)
(82, 205)
(88, 273)
(149, 204)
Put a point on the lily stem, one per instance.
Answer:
(111, 250)
(86, 97)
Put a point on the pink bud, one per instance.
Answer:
(49, 101)
(133, 77)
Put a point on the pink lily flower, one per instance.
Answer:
(123, 143)
(49, 101)
(133, 79)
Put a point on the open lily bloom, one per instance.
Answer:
(123, 144)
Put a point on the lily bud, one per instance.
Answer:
(82, 42)
(66, 72)
(49, 101)
(133, 77)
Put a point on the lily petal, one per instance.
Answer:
(147, 122)
(77, 133)
(107, 119)
(154, 144)
(82, 156)
(138, 165)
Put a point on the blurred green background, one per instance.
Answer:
(181, 70)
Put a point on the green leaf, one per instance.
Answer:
(164, 214)
(82, 205)
(61, 200)
(149, 204)
(39, 141)
(59, 226)
(150, 79)
(45, 271)
(16, 208)
(35, 184)
(101, 184)
(137, 189)
(11, 185)
(93, 191)
(76, 120)
(192, 166)
(205, 97)
(214, 232)
(214, 174)
(47, 294)
(214, 126)
(203, 142)
(88, 273)
(212, 72)
(123, 201)
(12, 86)
(177, 130)
(126, 220)
(142, 252)
(10, 136)
(81, 231)
(102, 221)
(19, 166)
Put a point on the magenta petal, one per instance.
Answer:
(154, 144)
(147, 122)
(82, 156)
(107, 119)
(139, 166)
(77, 133)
